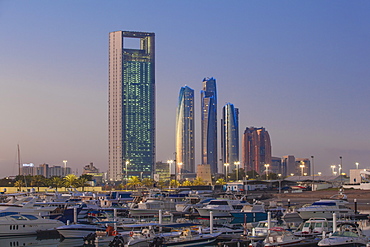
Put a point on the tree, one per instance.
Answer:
(220, 181)
(19, 184)
(81, 182)
(134, 182)
(187, 183)
(147, 182)
(198, 181)
(37, 181)
(70, 180)
(174, 183)
(56, 182)
(87, 176)
(252, 174)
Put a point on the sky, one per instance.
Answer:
(298, 68)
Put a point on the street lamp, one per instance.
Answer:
(226, 165)
(313, 174)
(127, 162)
(267, 171)
(319, 173)
(279, 176)
(237, 163)
(357, 165)
(302, 168)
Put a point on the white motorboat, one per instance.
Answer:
(78, 230)
(325, 208)
(278, 236)
(261, 230)
(346, 234)
(313, 227)
(221, 207)
(226, 232)
(16, 224)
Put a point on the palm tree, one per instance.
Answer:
(174, 183)
(38, 180)
(56, 182)
(147, 182)
(198, 181)
(70, 180)
(187, 183)
(134, 182)
(220, 181)
(19, 184)
(82, 182)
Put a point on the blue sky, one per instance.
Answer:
(298, 68)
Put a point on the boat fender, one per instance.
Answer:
(131, 233)
(114, 233)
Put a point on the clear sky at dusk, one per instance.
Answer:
(300, 69)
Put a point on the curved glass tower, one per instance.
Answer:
(209, 123)
(230, 135)
(131, 106)
(185, 131)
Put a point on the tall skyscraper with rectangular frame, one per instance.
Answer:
(185, 157)
(230, 135)
(209, 123)
(131, 105)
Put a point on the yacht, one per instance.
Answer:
(17, 224)
(78, 230)
(313, 227)
(346, 234)
(325, 208)
(278, 236)
(261, 230)
(250, 213)
(221, 207)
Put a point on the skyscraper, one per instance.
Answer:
(256, 149)
(230, 135)
(131, 106)
(209, 123)
(185, 131)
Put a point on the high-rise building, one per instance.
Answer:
(230, 135)
(131, 105)
(256, 149)
(185, 156)
(209, 123)
(288, 165)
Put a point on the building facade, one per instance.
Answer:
(131, 106)
(45, 170)
(230, 135)
(256, 149)
(288, 165)
(185, 156)
(209, 124)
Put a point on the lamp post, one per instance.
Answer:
(237, 163)
(313, 174)
(279, 176)
(226, 165)
(127, 162)
(267, 171)
(340, 172)
(302, 168)
(169, 162)
(357, 165)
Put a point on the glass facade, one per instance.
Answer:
(209, 123)
(185, 131)
(131, 106)
(230, 135)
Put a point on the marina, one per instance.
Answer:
(168, 218)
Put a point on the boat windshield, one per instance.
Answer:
(323, 204)
(218, 203)
(345, 234)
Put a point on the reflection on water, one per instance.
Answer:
(27, 241)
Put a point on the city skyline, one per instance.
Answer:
(300, 69)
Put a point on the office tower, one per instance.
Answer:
(131, 106)
(289, 165)
(185, 131)
(209, 123)
(302, 167)
(256, 149)
(230, 136)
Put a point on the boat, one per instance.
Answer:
(325, 208)
(346, 234)
(278, 236)
(261, 230)
(78, 230)
(313, 227)
(17, 224)
(250, 213)
(227, 233)
(221, 207)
